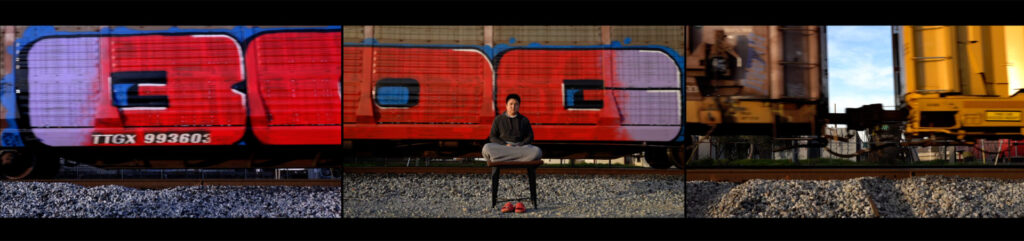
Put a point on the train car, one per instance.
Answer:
(589, 91)
(961, 82)
(756, 80)
(169, 97)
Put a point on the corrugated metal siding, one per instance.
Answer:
(548, 35)
(352, 33)
(452, 83)
(352, 74)
(298, 75)
(4, 69)
(668, 36)
(194, 66)
(470, 35)
(153, 28)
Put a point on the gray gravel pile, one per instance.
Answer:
(943, 197)
(62, 200)
(469, 196)
(918, 197)
(789, 198)
(701, 194)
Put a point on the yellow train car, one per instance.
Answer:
(961, 82)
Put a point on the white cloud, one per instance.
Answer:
(861, 76)
(859, 33)
(860, 66)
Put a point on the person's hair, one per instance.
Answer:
(513, 96)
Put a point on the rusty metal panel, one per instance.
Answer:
(668, 36)
(756, 61)
(800, 61)
(79, 28)
(738, 60)
(352, 33)
(19, 30)
(547, 35)
(467, 35)
(6, 39)
(148, 27)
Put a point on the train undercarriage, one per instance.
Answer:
(657, 155)
(42, 163)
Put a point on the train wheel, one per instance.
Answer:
(657, 158)
(15, 165)
(678, 156)
(47, 166)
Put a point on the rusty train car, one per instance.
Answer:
(169, 97)
(756, 80)
(590, 91)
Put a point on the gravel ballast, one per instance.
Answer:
(62, 200)
(866, 197)
(469, 196)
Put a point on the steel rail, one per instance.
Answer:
(487, 170)
(169, 183)
(744, 174)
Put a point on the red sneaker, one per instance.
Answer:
(507, 207)
(520, 208)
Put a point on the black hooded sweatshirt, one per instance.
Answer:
(511, 129)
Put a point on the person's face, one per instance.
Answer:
(512, 106)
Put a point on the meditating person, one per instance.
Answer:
(511, 136)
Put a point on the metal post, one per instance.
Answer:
(857, 147)
(999, 152)
(796, 152)
(984, 158)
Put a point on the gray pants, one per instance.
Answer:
(495, 152)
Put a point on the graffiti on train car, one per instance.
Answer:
(755, 75)
(180, 88)
(295, 87)
(597, 94)
(634, 94)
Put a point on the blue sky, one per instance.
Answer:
(859, 66)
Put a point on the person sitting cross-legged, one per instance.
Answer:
(511, 136)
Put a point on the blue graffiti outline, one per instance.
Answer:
(31, 34)
(494, 54)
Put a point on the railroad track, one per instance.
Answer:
(725, 174)
(740, 175)
(168, 183)
(487, 170)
